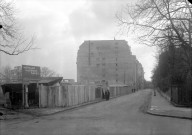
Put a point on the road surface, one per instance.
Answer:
(117, 116)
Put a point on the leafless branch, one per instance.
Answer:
(12, 42)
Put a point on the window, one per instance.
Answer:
(91, 54)
(103, 58)
(116, 64)
(103, 70)
(103, 64)
(98, 65)
(100, 53)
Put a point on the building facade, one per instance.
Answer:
(109, 60)
(16, 73)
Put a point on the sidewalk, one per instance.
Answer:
(37, 112)
(160, 106)
(49, 111)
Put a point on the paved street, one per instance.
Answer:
(117, 116)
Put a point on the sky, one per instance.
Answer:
(61, 26)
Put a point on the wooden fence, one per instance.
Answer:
(63, 96)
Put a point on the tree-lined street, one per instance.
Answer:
(122, 115)
(67, 79)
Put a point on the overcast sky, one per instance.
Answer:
(61, 26)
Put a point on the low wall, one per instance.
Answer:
(166, 95)
(62, 96)
(178, 96)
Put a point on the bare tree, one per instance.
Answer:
(5, 74)
(46, 72)
(163, 22)
(12, 41)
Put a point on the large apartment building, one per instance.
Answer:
(109, 60)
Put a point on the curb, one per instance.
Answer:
(161, 114)
(164, 115)
(64, 109)
(71, 107)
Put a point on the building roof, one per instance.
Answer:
(50, 80)
(121, 40)
(43, 80)
(17, 86)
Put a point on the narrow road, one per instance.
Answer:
(118, 116)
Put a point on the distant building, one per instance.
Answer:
(16, 73)
(68, 81)
(2, 78)
(109, 60)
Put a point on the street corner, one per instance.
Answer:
(154, 110)
(160, 107)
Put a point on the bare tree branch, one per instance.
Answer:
(161, 23)
(12, 42)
